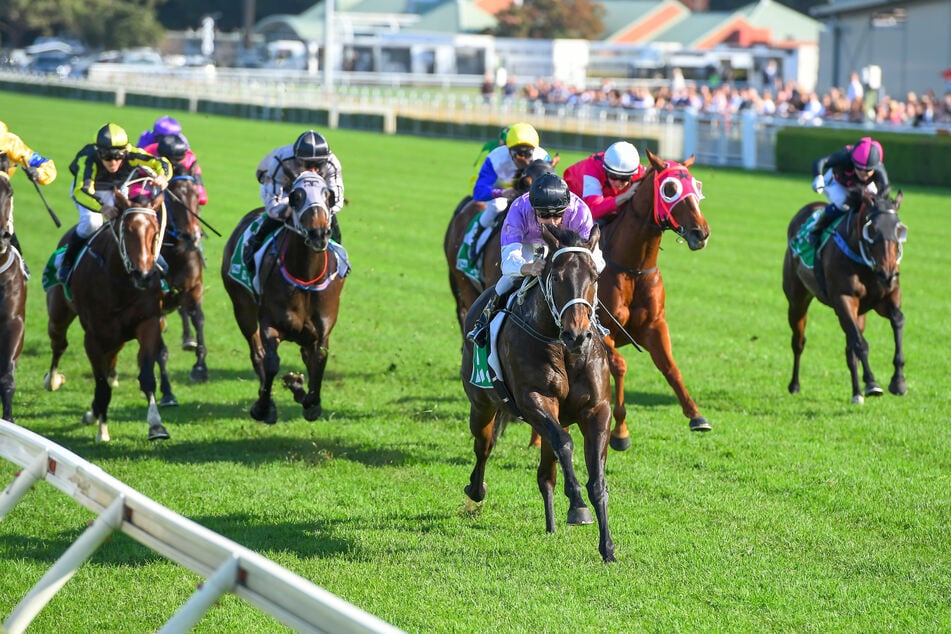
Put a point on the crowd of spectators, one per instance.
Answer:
(853, 104)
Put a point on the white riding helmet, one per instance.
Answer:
(621, 158)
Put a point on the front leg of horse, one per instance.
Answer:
(168, 399)
(264, 409)
(151, 346)
(620, 436)
(98, 414)
(199, 371)
(563, 448)
(897, 385)
(595, 429)
(316, 361)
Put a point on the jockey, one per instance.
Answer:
(549, 202)
(861, 164)
(500, 167)
(163, 125)
(277, 172)
(484, 152)
(174, 147)
(606, 180)
(98, 169)
(15, 153)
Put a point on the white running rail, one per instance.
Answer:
(226, 565)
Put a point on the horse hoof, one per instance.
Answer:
(168, 400)
(198, 375)
(158, 432)
(53, 382)
(189, 345)
(858, 399)
(88, 418)
(873, 390)
(113, 381)
(794, 388)
(898, 387)
(477, 499)
(103, 435)
(699, 424)
(312, 413)
(268, 417)
(620, 444)
(580, 516)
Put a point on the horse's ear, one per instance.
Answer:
(120, 197)
(898, 198)
(550, 238)
(655, 160)
(687, 163)
(593, 238)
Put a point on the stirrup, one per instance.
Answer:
(478, 333)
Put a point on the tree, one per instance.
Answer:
(551, 19)
(98, 23)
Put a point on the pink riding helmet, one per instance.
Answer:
(867, 154)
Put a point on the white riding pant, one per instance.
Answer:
(493, 208)
(89, 220)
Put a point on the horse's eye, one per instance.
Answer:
(296, 198)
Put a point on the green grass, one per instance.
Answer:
(796, 513)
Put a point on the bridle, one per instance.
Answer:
(548, 292)
(119, 235)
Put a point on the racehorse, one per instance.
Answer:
(115, 289)
(301, 280)
(182, 252)
(631, 290)
(860, 273)
(12, 301)
(465, 290)
(553, 361)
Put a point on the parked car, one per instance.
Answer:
(52, 63)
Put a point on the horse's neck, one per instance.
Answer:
(534, 308)
(300, 261)
(633, 239)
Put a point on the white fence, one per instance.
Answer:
(227, 566)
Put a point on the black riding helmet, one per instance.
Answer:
(549, 195)
(173, 147)
(311, 147)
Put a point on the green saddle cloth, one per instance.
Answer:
(800, 243)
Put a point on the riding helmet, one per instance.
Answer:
(311, 146)
(867, 154)
(166, 125)
(549, 193)
(111, 137)
(172, 146)
(621, 159)
(521, 134)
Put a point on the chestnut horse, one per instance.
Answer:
(631, 289)
(553, 361)
(12, 301)
(301, 279)
(860, 272)
(465, 290)
(115, 289)
(182, 252)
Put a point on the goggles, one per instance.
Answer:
(524, 152)
(618, 177)
(112, 155)
(549, 213)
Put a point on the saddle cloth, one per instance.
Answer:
(800, 243)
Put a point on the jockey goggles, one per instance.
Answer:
(524, 152)
(621, 178)
(112, 155)
(550, 213)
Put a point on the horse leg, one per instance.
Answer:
(315, 359)
(547, 477)
(594, 428)
(482, 417)
(798, 298)
(199, 372)
(264, 409)
(61, 315)
(872, 388)
(846, 308)
(7, 386)
(563, 448)
(151, 348)
(656, 339)
(101, 362)
(897, 385)
(168, 399)
(188, 341)
(620, 436)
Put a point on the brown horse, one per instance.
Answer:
(182, 252)
(116, 291)
(301, 280)
(12, 301)
(860, 273)
(465, 290)
(553, 361)
(631, 289)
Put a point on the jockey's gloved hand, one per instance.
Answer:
(31, 173)
(819, 184)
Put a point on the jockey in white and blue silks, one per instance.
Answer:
(494, 185)
(548, 202)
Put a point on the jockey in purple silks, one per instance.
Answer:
(548, 202)
(858, 165)
(163, 126)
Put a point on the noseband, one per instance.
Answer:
(548, 291)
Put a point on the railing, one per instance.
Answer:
(227, 566)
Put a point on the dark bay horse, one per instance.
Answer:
(299, 297)
(116, 291)
(182, 252)
(465, 290)
(554, 363)
(859, 266)
(631, 288)
(12, 301)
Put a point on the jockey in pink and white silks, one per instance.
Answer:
(548, 202)
(833, 175)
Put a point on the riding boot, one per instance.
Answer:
(829, 215)
(335, 229)
(479, 334)
(268, 226)
(14, 242)
(75, 245)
